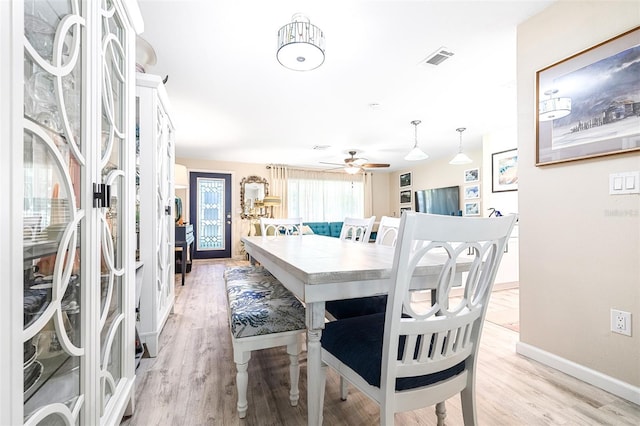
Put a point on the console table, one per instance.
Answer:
(184, 239)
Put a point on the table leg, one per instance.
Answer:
(184, 261)
(315, 376)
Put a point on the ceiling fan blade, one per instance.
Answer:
(374, 165)
(332, 164)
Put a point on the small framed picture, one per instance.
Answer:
(405, 179)
(405, 196)
(405, 209)
(504, 171)
(472, 208)
(471, 192)
(472, 175)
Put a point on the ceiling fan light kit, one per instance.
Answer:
(300, 44)
(461, 157)
(416, 154)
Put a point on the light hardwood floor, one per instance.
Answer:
(192, 381)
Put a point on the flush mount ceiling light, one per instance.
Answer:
(416, 153)
(300, 44)
(461, 157)
(553, 108)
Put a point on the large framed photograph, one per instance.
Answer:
(504, 171)
(405, 197)
(588, 105)
(405, 180)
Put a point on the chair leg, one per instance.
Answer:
(323, 380)
(468, 400)
(344, 389)
(387, 416)
(441, 413)
(242, 381)
(294, 371)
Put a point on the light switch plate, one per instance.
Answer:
(624, 183)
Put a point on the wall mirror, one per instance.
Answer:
(253, 189)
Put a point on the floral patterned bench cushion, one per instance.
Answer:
(259, 304)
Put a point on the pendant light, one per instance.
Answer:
(416, 154)
(300, 44)
(461, 157)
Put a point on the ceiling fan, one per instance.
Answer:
(355, 164)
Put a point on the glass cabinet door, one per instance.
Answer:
(53, 212)
(113, 171)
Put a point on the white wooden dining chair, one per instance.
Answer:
(346, 308)
(357, 230)
(417, 355)
(281, 226)
(387, 233)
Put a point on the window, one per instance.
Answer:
(325, 197)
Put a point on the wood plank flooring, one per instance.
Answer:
(192, 380)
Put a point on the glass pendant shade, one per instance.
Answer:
(352, 170)
(460, 158)
(300, 45)
(416, 154)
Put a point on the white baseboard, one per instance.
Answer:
(612, 385)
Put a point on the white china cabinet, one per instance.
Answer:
(156, 197)
(68, 236)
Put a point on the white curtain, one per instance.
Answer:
(324, 196)
(278, 186)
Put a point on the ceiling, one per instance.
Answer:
(232, 101)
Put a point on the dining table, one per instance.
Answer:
(317, 269)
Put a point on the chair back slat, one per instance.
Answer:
(357, 230)
(280, 226)
(444, 331)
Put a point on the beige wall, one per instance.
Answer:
(238, 171)
(577, 260)
(435, 173)
(240, 226)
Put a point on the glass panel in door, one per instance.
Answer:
(53, 213)
(209, 210)
(113, 156)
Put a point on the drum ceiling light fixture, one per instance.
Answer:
(554, 107)
(300, 44)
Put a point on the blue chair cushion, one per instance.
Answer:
(259, 304)
(357, 342)
(335, 229)
(349, 308)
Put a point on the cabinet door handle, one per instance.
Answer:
(101, 195)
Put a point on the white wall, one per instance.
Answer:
(577, 261)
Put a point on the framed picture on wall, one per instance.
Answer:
(405, 197)
(504, 171)
(405, 209)
(405, 180)
(471, 175)
(471, 192)
(587, 104)
(472, 208)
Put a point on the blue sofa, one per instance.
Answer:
(330, 229)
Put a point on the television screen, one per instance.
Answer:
(444, 201)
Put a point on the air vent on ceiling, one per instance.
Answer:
(321, 147)
(439, 56)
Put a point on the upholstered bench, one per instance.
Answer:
(262, 314)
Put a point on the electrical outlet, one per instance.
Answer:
(621, 322)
